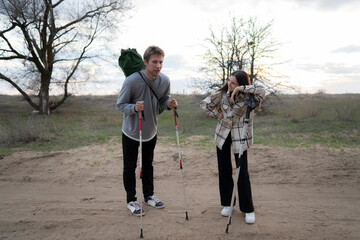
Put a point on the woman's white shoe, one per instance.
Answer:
(250, 218)
(226, 211)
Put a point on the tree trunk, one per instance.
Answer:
(252, 76)
(44, 103)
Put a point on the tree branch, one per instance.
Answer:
(90, 14)
(80, 58)
(11, 48)
(27, 98)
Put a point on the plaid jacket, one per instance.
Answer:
(233, 116)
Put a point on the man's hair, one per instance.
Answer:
(153, 50)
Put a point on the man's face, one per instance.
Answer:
(154, 65)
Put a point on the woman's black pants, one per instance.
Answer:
(130, 155)
(226, 182)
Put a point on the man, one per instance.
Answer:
(136, 96)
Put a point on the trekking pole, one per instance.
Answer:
(233, 199)
(141, 200)
(180, 161)
(251, 105)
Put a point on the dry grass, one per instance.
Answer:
(288, 120)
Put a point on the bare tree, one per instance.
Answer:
(262, 47)
(43, 43)
(238, 47)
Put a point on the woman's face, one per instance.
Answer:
(232, 83)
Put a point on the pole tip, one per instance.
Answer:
(187, 217)
(141, 234)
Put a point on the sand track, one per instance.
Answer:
(78, 194)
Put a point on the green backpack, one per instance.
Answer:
(130, 61)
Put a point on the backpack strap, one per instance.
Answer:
(149, 87)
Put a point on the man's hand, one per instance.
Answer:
(172, 104)
(139, 106)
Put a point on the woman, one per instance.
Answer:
(228, 106)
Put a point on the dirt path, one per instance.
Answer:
(78, 194)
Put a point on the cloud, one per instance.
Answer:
(327, 4)
(174, 62)
(334, 68)
(206, 5)
(342, 84)
(348, 49)
(310, 67)
(330, 68)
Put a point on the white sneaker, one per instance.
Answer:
(154, 202)
(250, 218)
(135, 208)
(226, 211)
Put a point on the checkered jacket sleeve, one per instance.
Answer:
(257, 90)
(211, 105)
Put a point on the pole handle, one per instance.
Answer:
(175, 112)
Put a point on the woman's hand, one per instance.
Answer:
(220, 116)
(235, 93)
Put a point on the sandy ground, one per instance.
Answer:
(78, 194)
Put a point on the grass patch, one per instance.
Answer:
(79, 122)
(287, 120)
(293, 120)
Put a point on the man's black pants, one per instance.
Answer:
(226, 182)
(130, 155)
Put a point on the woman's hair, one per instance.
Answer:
(153, 50)
(241, 77)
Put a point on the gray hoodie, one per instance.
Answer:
(135, 89)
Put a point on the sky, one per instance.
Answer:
(318, 41)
